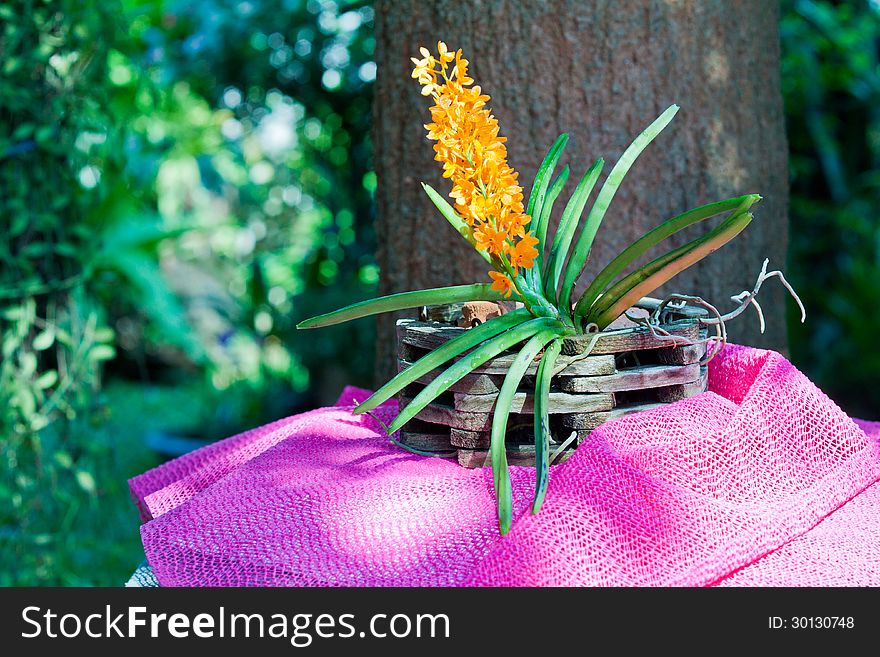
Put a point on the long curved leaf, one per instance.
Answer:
(625, 284)
(652, 238)
(460, 368)
(535, 205)
(542, 177)
(540, 227)
(497, 449)
(455, 220)
(645, 280)
(567, 226)
(603, 200)
(445, 352)
(402, 301)
(542, 422)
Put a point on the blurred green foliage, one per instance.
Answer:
(54, 142)
(251, 124)
(181, 182)
(831, 83)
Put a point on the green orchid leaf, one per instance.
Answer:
(609, 188)
(540, 226)
(497, 448)
(402, 301)
(542, 422)
(542, 177)
(567, 225)
(461, 368)
(645, 280)
(447, 351)
(456, 221)
(654, 237)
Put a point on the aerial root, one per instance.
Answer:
(675, 302)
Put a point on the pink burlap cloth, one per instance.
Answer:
(763, 480)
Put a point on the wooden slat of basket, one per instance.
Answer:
(576, 366)
(448, 312)
(427, 441)
(560, 402)
(480, 439)
(666, 394)
(414, 339)
(469, 439)
(438, 413)
(683, 391)
(636, 378)
(683, 355)
(429, 336)
(516, 455)
(635, 339)
(589, 421)
(426, 335)
(573, 365)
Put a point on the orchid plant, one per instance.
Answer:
(489, 210)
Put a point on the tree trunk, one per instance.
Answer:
(601, 72)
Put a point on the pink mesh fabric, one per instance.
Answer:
(842, 550)
(761, 481)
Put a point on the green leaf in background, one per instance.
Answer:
(25, 401)
(28, 364)
(102, 352)
(125, 257)
(86, 481)
(46, 380)
(104, 334)
(43, 340)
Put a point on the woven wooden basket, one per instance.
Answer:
(624, 373)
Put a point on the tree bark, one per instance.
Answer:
(601, 71)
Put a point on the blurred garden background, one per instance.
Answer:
(182, 182)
